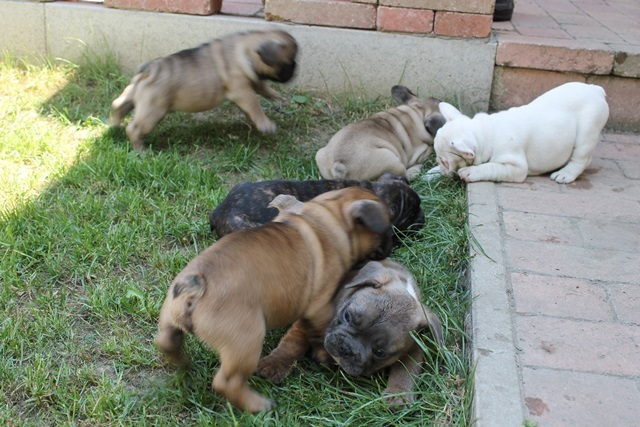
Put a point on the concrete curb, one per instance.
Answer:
(497, 392)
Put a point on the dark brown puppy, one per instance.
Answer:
(233, 67)
(267, 277)
(247, 204)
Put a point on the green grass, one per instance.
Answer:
(92, 233)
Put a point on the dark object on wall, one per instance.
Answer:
(503, 10)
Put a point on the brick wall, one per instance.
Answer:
(452, 18)
(191, 7)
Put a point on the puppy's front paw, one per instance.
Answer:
(274, 369)
(267, 127)
(397, 397)
(466, 174)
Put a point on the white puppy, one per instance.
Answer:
(559, 129)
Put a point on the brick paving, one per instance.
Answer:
(573, 273)
(571, 252)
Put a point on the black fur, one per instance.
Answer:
(246, 205)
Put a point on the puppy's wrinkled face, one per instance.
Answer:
(277, 54)
(371, 330)
(430, 108)
(455, 144)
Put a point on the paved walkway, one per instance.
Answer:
(615, 23)
(556, 285)
(557, 308)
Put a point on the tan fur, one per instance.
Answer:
(397, 140)
(233, 67)
(263, 278)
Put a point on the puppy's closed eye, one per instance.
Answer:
(379, 353)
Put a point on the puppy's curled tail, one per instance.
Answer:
(328, 167)
(339, 170)
(176, 315)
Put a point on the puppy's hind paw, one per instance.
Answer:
(562, 178)
(274, 369)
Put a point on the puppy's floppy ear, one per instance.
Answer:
(374, 215)
(402, 95)
(269, 52)
(449, 111)
(369, 275)
(434, 122)
(466, 147)
(391, 178)
(286, 203)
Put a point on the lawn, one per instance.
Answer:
(92, 233)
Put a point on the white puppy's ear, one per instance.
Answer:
(466, 147)
(449, 111)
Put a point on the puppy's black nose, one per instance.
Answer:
(345, 350)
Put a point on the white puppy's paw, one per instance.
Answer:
(433, 173)
(466, 174)
(562, 177)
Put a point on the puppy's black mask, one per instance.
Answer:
(286, 73)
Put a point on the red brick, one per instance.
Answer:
(560, 296)
(468, 25)
(464, 6)
(513, 87)
(594, 204)
(554, 55)
(598, 347)
(404, 20)
(335, 13)
(541, 228)
(191, 7)
(517, 86)
(572, 261)
(623, 97)
(563, 398)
